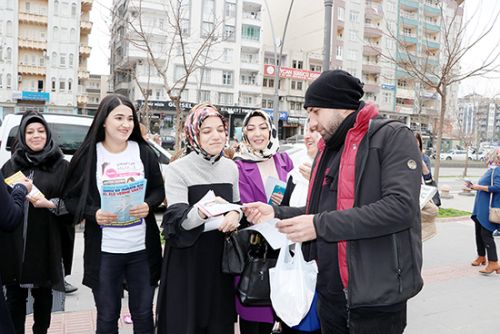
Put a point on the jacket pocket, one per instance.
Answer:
(397, 263)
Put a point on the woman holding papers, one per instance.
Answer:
(107, 187)
(195, 297)
(260, 168)
(33, 252)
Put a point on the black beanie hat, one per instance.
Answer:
(335, 89)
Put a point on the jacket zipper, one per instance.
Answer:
(398, 265)
(348, 309)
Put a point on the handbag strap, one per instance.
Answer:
(491, 193)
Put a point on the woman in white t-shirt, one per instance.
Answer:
(123, 240)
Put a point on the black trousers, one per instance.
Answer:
(335, 319)
(251, 327)
(485, 242)
(42, 307)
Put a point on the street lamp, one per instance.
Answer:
(327, 35)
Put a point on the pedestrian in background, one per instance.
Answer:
(34, 261)
(10, 217)
(195, 297)
(258, 160)
(115, 152)
(362, 219)
(488, 190)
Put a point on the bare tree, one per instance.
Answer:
(440, 73)
(172, 47)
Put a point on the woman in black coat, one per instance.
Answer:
(10, 216)
(34, 247)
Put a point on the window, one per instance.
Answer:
(72, 35)
(230, 9)
(352, 55)
(54, 59)
(208, 10)
(267, 102)
(62, 85)
(70, 85)
(73, 10)
(390, 43)
(41, 61)
(161, 24)
(8, 30)
(341, 13)
(248, 78)
(27, 6)
(297, 64)
(250, 32)
(53, 84)
(339, 52)
(204, 95)
(247, 100)
(387, 97)
(8, 55)
(9, 81)
(229, 32)
(402, 84)
(62, 60)
(206, 77)
(206, 29)
(268, 82)
(70, 60)
(179, 72)
(226, 98)
(185, 27)
(296, 85)
(353, 35)
(158, 93)
(227, 78)
(33, 60)
(228, 55)
(56, 33)
(354, 16)
(56, 7)
(315, 68)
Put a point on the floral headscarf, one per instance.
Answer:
(195, 118)
(246, 152)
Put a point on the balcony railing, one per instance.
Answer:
(82, 99)
(85, 50)
(371, 68)
(31, 43)
(31, 70)
(371, 50)
(252, 16)
(83, 74)
(33, 17)
(86, 26)
(371, 87)
(86, 5)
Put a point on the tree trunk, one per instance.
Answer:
(440, 134)
(178, 127)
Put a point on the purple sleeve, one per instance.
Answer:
(246, 193)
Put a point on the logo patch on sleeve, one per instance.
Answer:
(412, 164)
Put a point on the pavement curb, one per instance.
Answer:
(453, 219)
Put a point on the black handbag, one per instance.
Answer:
(254, 286)
(436, 198)
(234, 255)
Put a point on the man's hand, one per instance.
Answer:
(104, 218)
(27, 183)
(139, 211)
(258, 212)
(231, 222)
(298, 229)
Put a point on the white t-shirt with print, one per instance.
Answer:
(116, 168)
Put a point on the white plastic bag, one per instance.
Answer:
(293, 282)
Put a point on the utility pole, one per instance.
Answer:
(327, 35)
(277, 62)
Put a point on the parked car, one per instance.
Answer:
(168, 142)
(455, 155)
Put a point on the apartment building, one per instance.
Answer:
(362, 32)
(228, 74)
(43, 53)
(478, 118)
(95, 89)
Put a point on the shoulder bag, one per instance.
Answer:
(494, 212)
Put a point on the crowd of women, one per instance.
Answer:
(194, 296)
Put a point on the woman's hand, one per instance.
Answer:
(305, 170)
(231, 222)
(42, 202)
(104, 218)
(276, 198)
(139, 211)
(258, 212)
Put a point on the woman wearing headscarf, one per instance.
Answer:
(195, 297)
(35, 255)
(488, 194)
(115, 153)
(259, 162)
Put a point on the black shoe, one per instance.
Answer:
(68, 288)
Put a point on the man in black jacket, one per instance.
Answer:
(10, 216)
(362, 219)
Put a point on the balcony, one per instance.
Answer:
(369, 50)
(371, 87)
(252, 18)
(85, 50)
(249, 64)
(83, 74)
(374, 12)
(250, 42)
(31, 70)
(432, 10)
(33, 18)
(404, 109)
(250, 88)
(30, 43)
(402, 74)
(372, 30)
(430, 44)
(410, 4)
(432, 26)
(372, 68)
(85, 26)
(86, 5)
(408, 21)
(405, 93)
(408, 38)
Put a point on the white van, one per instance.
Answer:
(68, 131)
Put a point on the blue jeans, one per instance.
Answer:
(134, 268)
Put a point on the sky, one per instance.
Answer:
(481, 13)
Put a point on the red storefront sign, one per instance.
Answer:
(290, 73)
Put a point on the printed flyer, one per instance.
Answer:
(120, 198)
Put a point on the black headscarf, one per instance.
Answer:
(24, 157)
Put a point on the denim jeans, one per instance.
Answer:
(17, 298)
(134, 268)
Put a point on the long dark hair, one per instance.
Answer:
(419, 139)
(78, 183)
